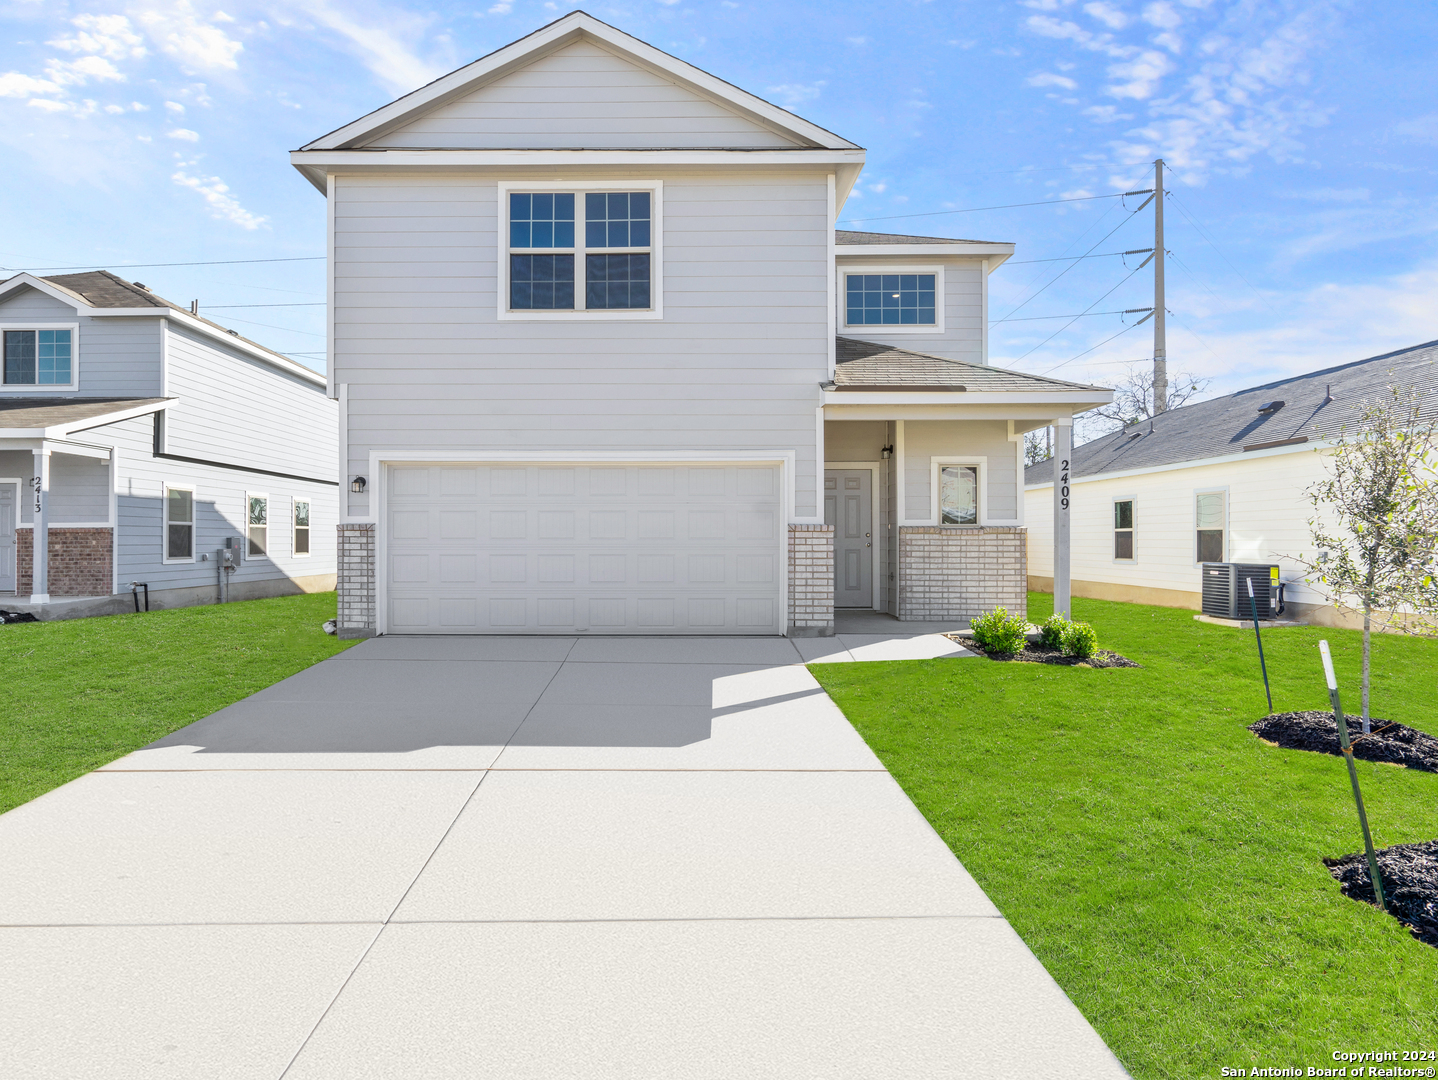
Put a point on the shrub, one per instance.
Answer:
(1000, 632)
(1079, 639)
(1052, 631)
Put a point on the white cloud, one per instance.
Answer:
(1142, 74)
(1421, 129)
(223, 205)
(857, 40)
(175, 108)
(1106, 114)
(1107, 14)
(1048, 78)
(500, 9)
(16, 85)
(184, 135)
(385, 50)
(1162, 16)
(792, 95)
(110, 36)
(195, 42)
(1048, 26)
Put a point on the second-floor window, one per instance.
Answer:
(889, 299)
(581, 250)
(39, 358)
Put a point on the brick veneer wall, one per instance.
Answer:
(959, 571)
(355, 581)
(79, 562)
(811, 580)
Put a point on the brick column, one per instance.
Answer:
(355, 581)
(811, 580)
(954, 572)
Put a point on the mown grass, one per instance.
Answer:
(1161, 861)
(80, 693)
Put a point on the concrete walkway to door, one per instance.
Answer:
(513, 858)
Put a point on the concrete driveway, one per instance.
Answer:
(516, 857)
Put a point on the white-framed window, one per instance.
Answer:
(301, 520)
(879, 299)
(581, 251)
(257, 525)
(179, 523)
(39, 356)
(1123, 530)
(1210, 524)
(960, 488)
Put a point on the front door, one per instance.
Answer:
(8, 502)
(848, 507)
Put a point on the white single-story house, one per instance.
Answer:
(604, 364)
(140, 442)
(1223, 480)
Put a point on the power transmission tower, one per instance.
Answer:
(1160, 337)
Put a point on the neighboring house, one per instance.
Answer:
(136, 438)
(1224, 480)
(604, 365)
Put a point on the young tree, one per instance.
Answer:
(1133, 400)
(1375, 521)
(1038, 446)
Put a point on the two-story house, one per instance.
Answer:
(605, 366)
(141, 442)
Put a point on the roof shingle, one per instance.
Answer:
(866, 363)
(846, 238)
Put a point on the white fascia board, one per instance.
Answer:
(564, 31)
(59, 446)
(1074, 401)
(360, 160)
(928, 251)
(9, 436)
(224, 337)
(1196, 463)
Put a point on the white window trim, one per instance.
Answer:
(841, 316)
(310, 528)
(245, 548)
(165, 523)
(936, 510)
(31, 389)
(656, 250)
(1113, 529)
(1193, 530)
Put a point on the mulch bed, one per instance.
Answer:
(1394, 743)
(16, 616)
(1041, 654)
(1410, 884)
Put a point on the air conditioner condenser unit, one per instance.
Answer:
(1225, 590)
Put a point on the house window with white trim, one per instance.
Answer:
(302, 528)
(39, 357)
(179, 524)
(1123, 529)
(890, 299)
(1210, 516)
(257, 525)
(607, 265)
(958, 495)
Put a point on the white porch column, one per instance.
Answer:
(1062, 459)
(39, 570)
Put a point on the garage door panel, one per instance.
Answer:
(574, 548)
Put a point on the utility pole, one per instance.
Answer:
(1160, 337)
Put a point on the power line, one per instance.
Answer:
(1080, 315)
(272, 326)
(1102, 343)
(1007, 206)
(1201, 232)
(1105, 296)
(148, 266)
(229, 307)
(1075, 258)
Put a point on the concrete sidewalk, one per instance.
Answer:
(515, 857)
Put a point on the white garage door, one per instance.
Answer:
(607, 549)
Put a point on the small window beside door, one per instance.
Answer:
(1210, 515)
(179, 524)
(257, 525)
(959, 495)
(1123, 529)
(302, 527)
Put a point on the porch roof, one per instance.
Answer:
(41, 417)
(866, 364)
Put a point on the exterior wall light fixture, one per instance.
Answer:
(886, 453)
(357, 485)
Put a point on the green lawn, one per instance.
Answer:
(83, 692)
(1161, 861)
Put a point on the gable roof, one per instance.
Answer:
(862, 364)
(577, 25)
(848, 237)
(59, 417)
(102, 291)
(1233, 425)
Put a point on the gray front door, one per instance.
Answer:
(847, 507)
(8, 501)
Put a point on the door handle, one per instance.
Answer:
(868, 545)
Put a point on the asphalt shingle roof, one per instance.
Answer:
(39, 412)
(1227, 425)
(865, 363)
(845, 238)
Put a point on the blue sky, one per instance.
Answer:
(1303, 139)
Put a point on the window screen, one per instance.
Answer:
(1210, 517)
(302, 527)
(259, 520)
(179, 524)
(959, 495)
(1123, 529)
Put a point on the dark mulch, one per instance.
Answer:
(1042, 654)
(1394, 743)
(1410, 884)
(16, 616)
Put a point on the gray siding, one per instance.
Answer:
(118, 356)
(239, 410)
(734, 364)
(926, 439)
(582, 96)
(963, 334)
(79, 489)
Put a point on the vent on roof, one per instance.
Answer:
(1270, 407)
(235, 332)
(140, 285)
